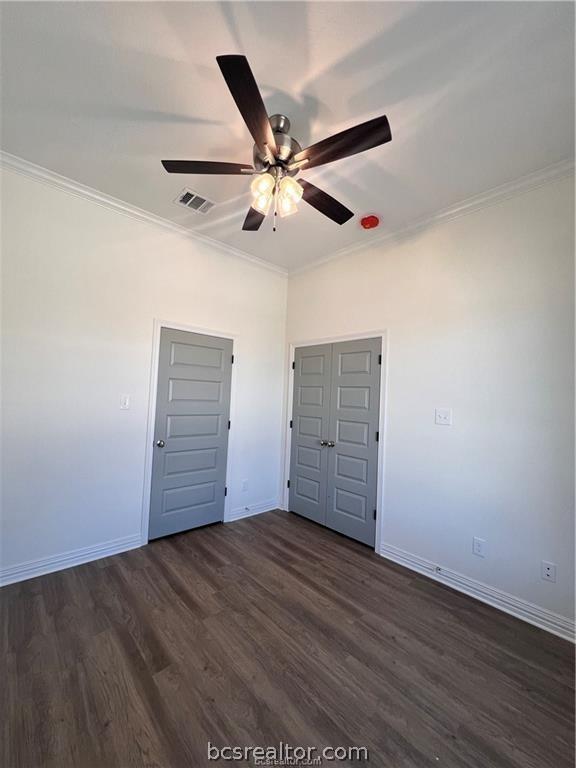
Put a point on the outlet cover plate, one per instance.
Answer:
(443, 417)
(479, 547)
(548, 571)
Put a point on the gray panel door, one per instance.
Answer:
(310, 421)
(353, 460)
(334, 452)
(191, 432)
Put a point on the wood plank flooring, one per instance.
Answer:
(272, 629)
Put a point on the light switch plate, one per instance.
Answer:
(124, 402)
(443, 417)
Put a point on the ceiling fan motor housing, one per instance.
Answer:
(287, 147)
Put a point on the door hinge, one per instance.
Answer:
(379, 359)
(225, 491)
(377, 436)
(374, 514)
(290, 423)
(288, 484)
(229, 423)
(232, 359)
(293, 365)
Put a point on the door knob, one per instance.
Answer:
(331, 443)
(323, 442)
(160, 443)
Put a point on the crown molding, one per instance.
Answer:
(63, 183)
(465, 207)
(493, 196)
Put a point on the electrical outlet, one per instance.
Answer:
(244, 485)
(548, 571)
(479, 547)
(443, 417)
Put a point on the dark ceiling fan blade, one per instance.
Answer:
(325, 203)
(349, 142)
(204, 166)
(253, 220)
(245, 92)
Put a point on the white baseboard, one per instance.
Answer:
(515, 606)
(251, 509)
(33, 568)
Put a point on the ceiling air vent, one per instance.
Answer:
(194, 201)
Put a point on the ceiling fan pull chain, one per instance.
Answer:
(275, 208)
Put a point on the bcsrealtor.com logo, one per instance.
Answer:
(285, 754)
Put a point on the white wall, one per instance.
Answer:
(82, 285)
(479, 314)
(479, 318)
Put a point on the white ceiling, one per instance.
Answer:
(477, 94)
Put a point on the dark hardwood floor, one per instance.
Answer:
(272, 629)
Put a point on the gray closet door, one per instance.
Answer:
(191, 432)
(310, 417)
(334, 452)
(353, 460)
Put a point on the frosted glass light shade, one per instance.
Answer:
(286, 206)
(290, 189)
(263, 185)
(262, 203)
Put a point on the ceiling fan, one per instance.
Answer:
(277, 157)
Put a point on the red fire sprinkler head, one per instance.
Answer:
(370, 222)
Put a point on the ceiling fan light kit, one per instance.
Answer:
(277, 157)
(274, 185)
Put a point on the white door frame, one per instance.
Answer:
(157, 327)
(383, 335)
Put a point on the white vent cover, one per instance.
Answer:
(190, 199)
